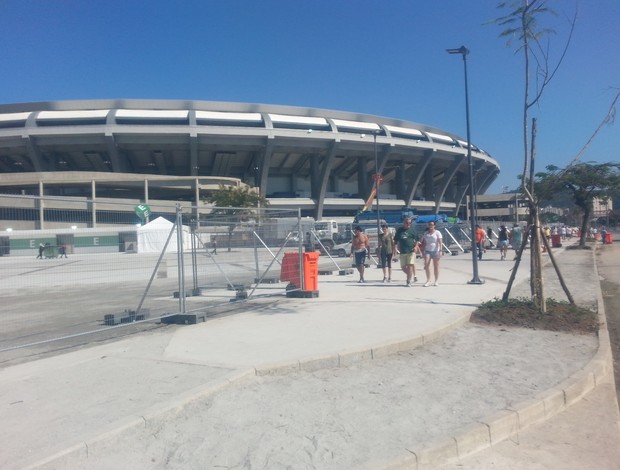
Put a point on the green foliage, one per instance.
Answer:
(230, 200)
(584, 182)
(521, 22)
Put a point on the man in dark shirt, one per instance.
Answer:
(406, 240)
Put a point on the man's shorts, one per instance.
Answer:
(360, 258)
(502, 244)
(406, 259)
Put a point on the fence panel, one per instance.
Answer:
(72, 268)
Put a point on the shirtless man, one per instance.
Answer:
(359, 249)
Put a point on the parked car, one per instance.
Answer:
(342, 249)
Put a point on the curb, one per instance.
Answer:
(152, 417)
(156, 415)
(346, 358)
(508, 423)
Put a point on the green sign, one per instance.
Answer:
(143, 211)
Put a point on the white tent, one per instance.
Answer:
(152, 237)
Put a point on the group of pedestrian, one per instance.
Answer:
(45, 250)
(505, 237)
(406, 245)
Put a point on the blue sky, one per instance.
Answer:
(383, 57)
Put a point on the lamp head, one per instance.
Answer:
(461, 50)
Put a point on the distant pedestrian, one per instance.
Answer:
(386, 246)
(490, 236)
(359, 250)
(41, 250)
(62, 250)
(432, 251)
(502, 242)
(214, 246)
(480, 236)
(516, 238)
(406, 241)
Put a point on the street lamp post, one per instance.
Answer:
(472, 192)
(377, 183)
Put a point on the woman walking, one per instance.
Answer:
(432, 250)
(386, 244)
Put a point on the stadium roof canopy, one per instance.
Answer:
(320, 160)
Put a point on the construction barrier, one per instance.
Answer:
(290, 270)
(311, 270)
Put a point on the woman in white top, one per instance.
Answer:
(432, 250)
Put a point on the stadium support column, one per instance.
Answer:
(416, 176)
(429, 189)
(197, 200)
(264, 166)
(447, 181)
(93, 204)
(34, 154)
(326, 169)
(362, 178)
(118, 165)
(41, 207)
(193, 154)
(146, 196)
(399, 181)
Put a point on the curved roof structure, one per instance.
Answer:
(320, 160)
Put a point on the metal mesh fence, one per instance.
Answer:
(73, 267)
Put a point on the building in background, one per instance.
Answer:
(320, 161)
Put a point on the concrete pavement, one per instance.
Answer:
(76, 410)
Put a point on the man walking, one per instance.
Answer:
(406, 244)
(359, 249)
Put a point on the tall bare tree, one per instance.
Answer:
(522, 26)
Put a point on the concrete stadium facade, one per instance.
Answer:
(321, 161)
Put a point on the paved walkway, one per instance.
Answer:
(100, 407)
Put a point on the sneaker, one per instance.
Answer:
(389, 279)
(427, 283)
(385, 280)
(435, 283)
(408, 284)
(361, 281)
(415, 279)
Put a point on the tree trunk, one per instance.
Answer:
(557, 271)
(584, 228)
(515, 268)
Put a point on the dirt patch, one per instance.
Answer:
(608, 262)
(560, 316)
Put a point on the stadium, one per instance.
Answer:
(320, 161)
